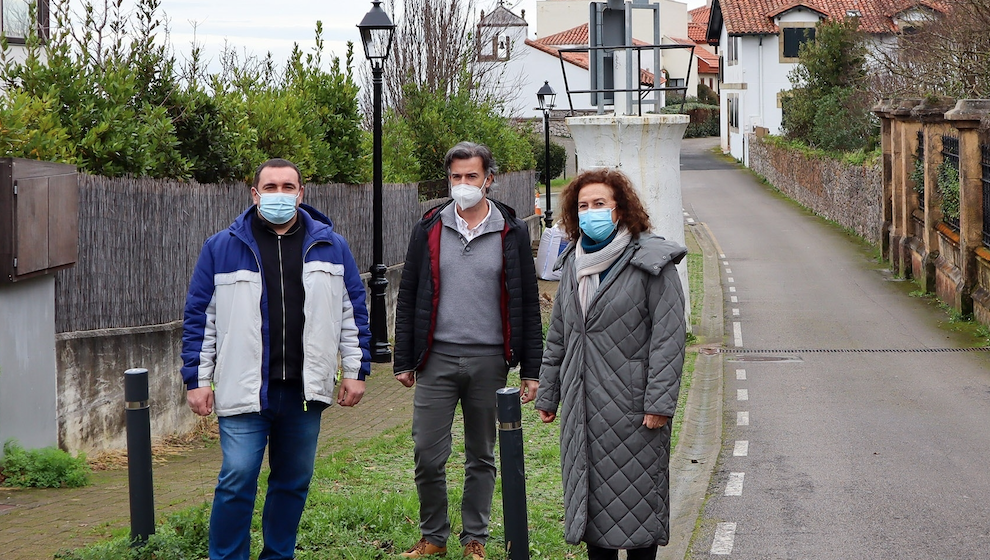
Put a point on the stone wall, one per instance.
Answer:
(846, 194)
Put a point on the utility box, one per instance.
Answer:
(39, 218)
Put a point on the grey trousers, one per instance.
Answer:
(440, 385)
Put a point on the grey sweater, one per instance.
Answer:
(469, 313)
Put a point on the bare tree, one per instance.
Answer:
(435, 49)
(946, 53)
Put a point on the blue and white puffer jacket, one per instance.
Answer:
(225, 329)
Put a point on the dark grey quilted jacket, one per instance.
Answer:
(605, 372)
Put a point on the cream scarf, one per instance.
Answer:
(589, 266)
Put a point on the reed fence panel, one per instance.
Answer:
(139, 239)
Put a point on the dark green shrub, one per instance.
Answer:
(42, 468)
(558, 156)
(707, 95)
(704, 118)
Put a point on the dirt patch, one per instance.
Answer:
(206, 433)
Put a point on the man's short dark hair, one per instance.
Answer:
(468, 150)
(275, 162)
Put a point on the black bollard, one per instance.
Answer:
(510, 438)
(138, 418)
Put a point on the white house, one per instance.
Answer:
(15, 23)
(758, 41)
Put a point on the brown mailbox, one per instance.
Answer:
(39, 218)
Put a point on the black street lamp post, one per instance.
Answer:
(376, 35)
(546, 98)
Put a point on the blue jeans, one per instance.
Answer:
(291, 434)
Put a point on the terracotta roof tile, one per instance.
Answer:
(707, 61)
(698, 32)
(742, 17)
(700, 15)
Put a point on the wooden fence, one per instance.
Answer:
(139, 239)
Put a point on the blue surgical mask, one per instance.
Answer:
(277, 208)
(596, 223)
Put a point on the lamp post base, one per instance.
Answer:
(380, 350)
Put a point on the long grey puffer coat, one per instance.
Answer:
(605, 372)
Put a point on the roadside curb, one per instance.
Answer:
(693, 461)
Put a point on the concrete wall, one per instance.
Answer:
(91, 367)
(848, 195)
(27, 362)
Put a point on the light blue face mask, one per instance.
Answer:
(596, 223)
(277, 208)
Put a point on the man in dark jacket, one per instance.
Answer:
(468, 309)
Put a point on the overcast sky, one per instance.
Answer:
(260, 27)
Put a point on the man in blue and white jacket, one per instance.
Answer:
(275, 309)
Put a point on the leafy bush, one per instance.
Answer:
(948, 188)
(558, 156)
(829, 105)
(115, 105)
(42, 468)
(433, 122)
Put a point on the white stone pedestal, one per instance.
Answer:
(648, 150)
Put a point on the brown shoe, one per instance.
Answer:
(474, 550)
(425, 548)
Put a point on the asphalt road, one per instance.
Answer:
(844, 436)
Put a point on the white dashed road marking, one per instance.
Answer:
(732, 289)
(742, 419)
(728, 271)
(735, 485)
(742, 394)
(741, 449)
(735, 312)
(725, 534)
(735, 299)
(737, 333)
(731, 280)
(741, 374)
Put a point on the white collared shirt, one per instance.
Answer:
(471, 233)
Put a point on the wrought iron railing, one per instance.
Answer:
(985, 161)
(948, 170)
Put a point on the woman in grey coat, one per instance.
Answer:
(612, 364)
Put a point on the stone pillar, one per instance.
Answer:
(931, 114)
(648, 150)
(965, 117)
(904, 138)
(882, 110)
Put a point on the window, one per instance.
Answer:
(733, 49)
(792, 38)
(675, 82)
(15, 19)
(733, 111)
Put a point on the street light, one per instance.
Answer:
(376, 35)
(546, 98)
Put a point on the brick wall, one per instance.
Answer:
(846, 194)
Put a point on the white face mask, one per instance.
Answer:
(467, 196)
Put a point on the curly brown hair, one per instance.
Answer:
(631, 212)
